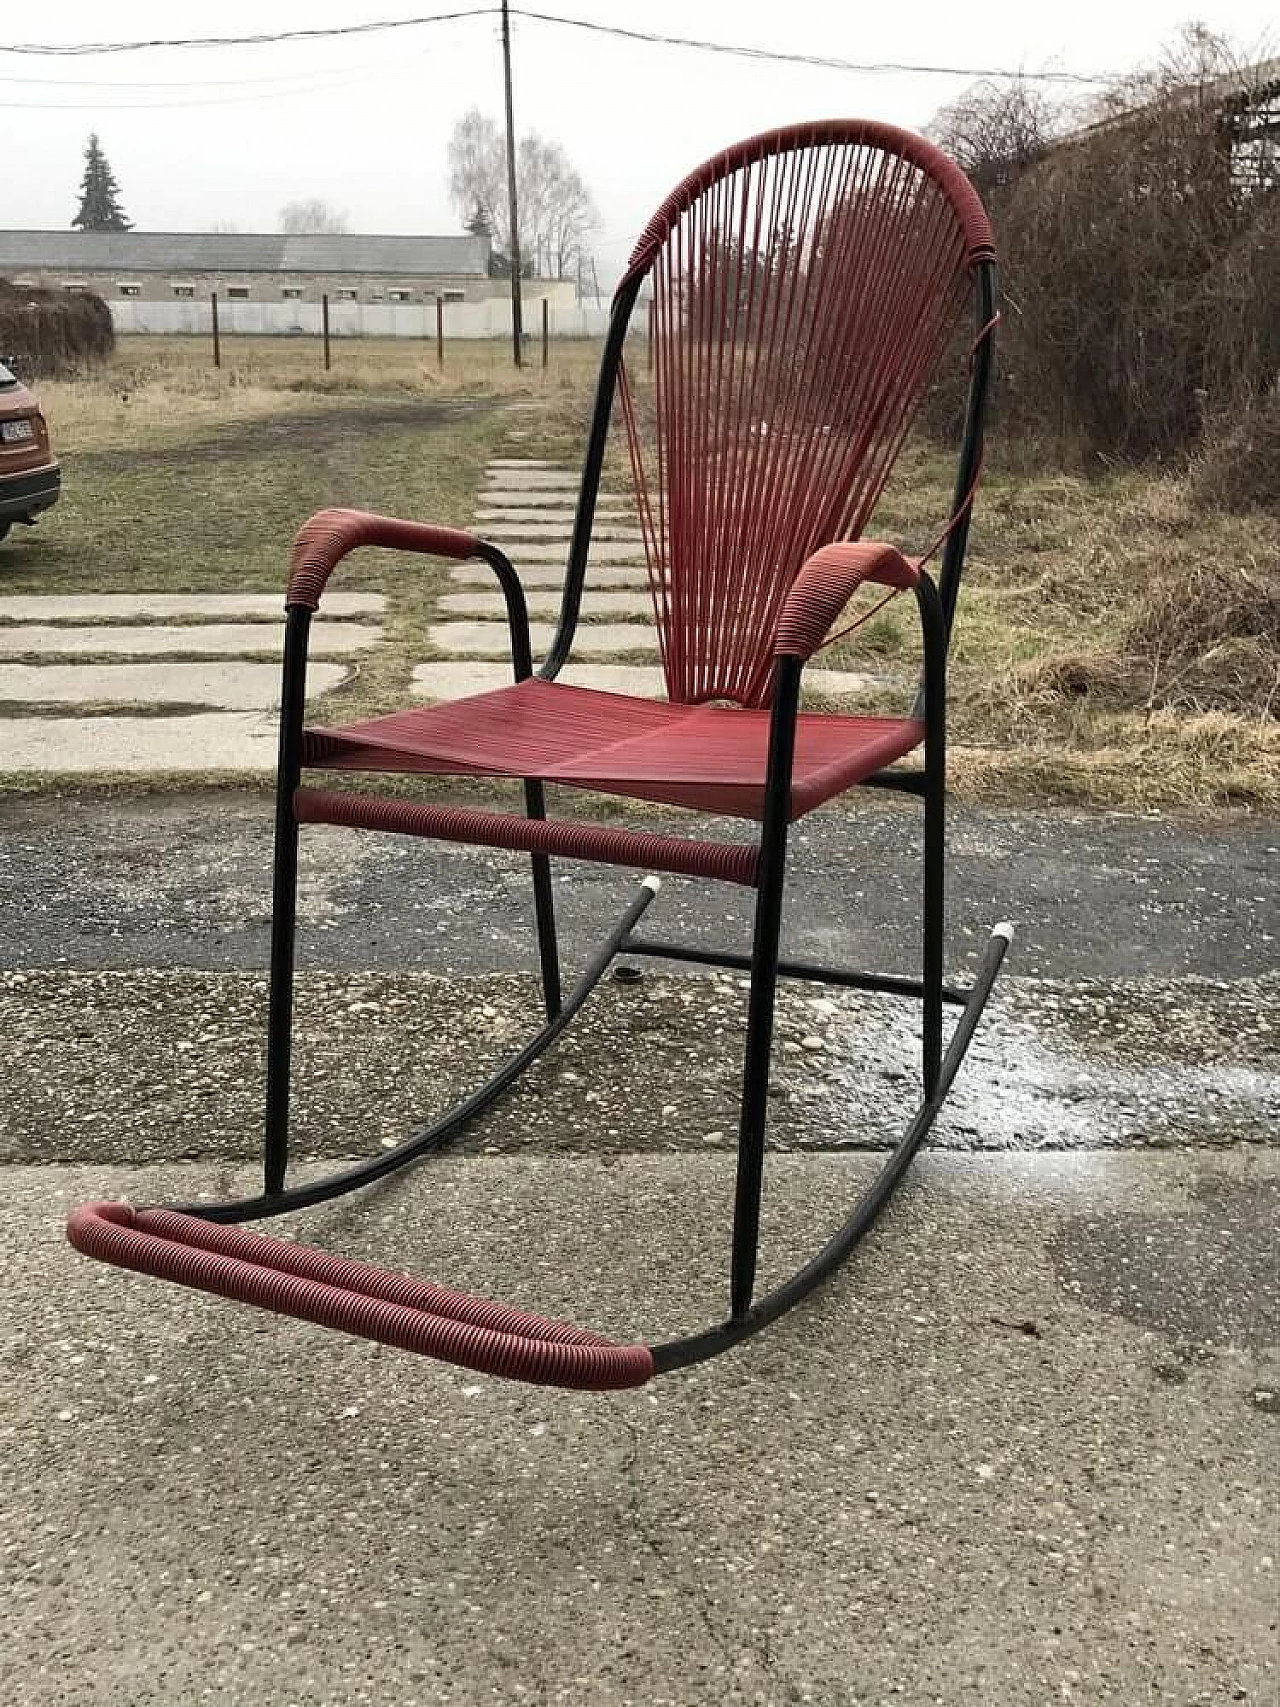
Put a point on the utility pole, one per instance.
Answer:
(517, 327)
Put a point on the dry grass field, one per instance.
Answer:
(1117, 644)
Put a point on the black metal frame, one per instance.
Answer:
(936, 604)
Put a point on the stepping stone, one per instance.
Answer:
(559, 534)
(550, 575)
(124, 607)
(209, 741)
(450, 679)
(835, 684)
(456, 680)
(551, 515)
(549, 501)
(547, 604)
(524, 462)
(201, 639)
(528, 479)
(601, 552)
(229, 686)
(491, 640)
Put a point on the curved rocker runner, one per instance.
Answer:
(805, 288)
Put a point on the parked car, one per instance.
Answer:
(30, 479)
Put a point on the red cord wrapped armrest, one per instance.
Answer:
(827, 582)
(354, 1297)
(325, 540)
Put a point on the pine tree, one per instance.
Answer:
(479, 225)
(100, 208)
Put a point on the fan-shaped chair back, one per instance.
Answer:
(804, 287)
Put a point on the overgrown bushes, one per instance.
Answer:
(1140, 260)
(48, 334)
(1238, 465)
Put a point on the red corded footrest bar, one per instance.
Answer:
(727, 861)
(354, 1297)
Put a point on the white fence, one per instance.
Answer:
(489, 319)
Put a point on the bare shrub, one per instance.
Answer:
(1142, 269)
(995, 131)
(1140, 258)
(51, 334)
(1185, 612)
(1238, 467)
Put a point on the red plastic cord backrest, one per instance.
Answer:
(805, 285)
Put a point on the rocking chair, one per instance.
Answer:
(805, 287)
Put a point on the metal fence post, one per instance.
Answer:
(545, 331)
(217, 345)
(439, 331)
(324, 326)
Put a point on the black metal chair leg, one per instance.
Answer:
(280, 1004)
(934, 916)
(544, 908)
(284, 905)
(755, 1091)
(764, 985)
(935, 831)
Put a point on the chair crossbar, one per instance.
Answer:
(603, 843)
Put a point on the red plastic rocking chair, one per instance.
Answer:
(806, 284)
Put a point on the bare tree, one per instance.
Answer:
(995, 131)
(478, 173)
(556, 208)
(313, 215)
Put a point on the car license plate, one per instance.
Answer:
(12, 432)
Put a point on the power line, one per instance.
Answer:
(382, 25)
(821, 61)
(265, 39)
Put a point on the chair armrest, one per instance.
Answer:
(826, 583)
(326, 539)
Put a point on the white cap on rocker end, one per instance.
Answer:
(651, 882)
(1004, 929)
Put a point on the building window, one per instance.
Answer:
(347, 295)
(130, 290)
(238, 293)
(399, 296)
(375, 296)
(454, 295)
(184, 290)
(291, 293)
(74, 284)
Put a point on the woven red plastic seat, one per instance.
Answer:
(355, 1297)
(710, 757)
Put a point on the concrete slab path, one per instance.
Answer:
(467, 638)
(141, 746)
(476, 574)
(543, 603)
(183, 607)
(227, 685)
(227, 640)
